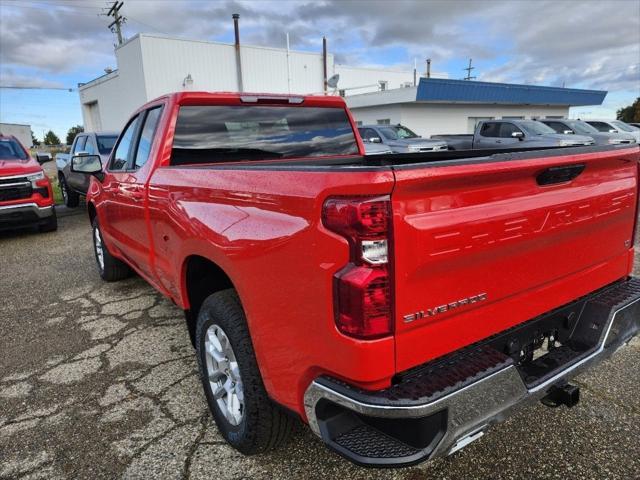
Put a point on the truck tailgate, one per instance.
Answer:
(481, 246)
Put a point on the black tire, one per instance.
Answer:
(112, 269)
(264, 425)
(50, 224)
(71, 198)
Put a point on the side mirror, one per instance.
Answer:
(87, 164)
(42, 157)
(613, 130)
(81, 154)
(375, 140)
(518, 135)
(569, 132)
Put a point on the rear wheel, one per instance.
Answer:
(246, 417)
(111, 269)
(71, 198)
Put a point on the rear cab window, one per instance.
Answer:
(214, 134)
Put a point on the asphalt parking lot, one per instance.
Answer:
(99, 381)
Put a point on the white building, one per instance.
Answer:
(153, 65)
(21, 132)
(438, 106)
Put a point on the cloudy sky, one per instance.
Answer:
(585, 44)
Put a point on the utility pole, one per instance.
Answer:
(118, 20)
(468, 69)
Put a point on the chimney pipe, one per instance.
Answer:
(236, 29)
(324, 64)
(428, 68)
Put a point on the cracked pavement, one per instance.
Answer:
(100, 380)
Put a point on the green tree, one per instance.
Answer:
(51, 138)
(73, 131)
(34, 140)
(630, 113)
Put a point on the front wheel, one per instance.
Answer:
(111, 269)
(71, 199)
(246, 417)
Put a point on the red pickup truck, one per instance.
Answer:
(398, 304)
(26, 198)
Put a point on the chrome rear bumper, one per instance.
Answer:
(461, 413)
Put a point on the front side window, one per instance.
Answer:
(506, 129)
(146, 137)
(533, 127)
(79, 146)
(89, 148)
(213, 133)
(397, 133)
(121, 156)
(600, 126)
(106, 143)
(557, 126)
(581, 127)
(621, 126)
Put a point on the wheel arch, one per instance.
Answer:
(201, 277)
(91, 210)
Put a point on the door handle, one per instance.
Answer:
(562, 174)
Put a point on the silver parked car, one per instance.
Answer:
(578, 127)
(614, 126)
(399, 139)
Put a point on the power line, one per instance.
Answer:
(26, 87)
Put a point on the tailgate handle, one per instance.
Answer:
(563, 174)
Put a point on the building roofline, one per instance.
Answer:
(16, 124)
(440, 90)
(98, 80)
(213, 42)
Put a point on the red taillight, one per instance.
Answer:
(634, 235)
(362, 289)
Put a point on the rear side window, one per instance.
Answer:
(490, 129)
(146, 137)
(211, 133)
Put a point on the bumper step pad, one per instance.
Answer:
(366, 441)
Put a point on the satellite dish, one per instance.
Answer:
(333, 81)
